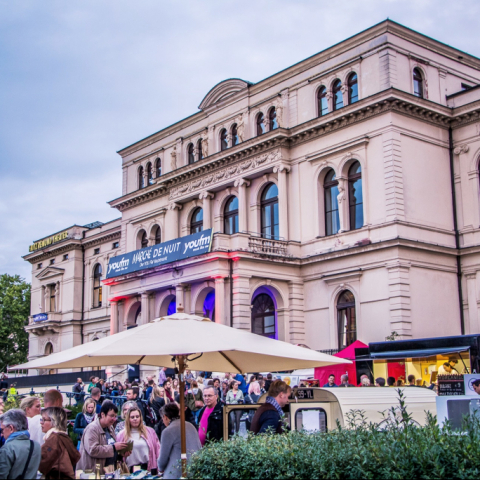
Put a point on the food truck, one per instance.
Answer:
(319, 409)
(424, 358)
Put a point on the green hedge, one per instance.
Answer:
(402, 450)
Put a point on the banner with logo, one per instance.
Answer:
(40, 317)
(161, 254)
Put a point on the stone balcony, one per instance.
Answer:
(252, 242)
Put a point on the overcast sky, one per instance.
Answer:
(81, 79)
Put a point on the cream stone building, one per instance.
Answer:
(328, 187)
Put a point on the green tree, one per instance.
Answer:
(14, 312)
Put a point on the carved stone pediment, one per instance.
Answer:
(229, 173)
(50, 272)
(223, 90)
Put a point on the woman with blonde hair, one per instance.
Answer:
(85, 417)
(125, 407)
(59, 455)
(157, 399)
(32, 408)
(146, 447)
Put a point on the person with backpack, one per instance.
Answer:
(19, 457)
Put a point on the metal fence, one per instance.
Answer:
(54, 379)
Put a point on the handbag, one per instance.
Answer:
(199, 404)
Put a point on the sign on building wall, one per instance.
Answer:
(161, 254)
(40, 317)
(48, 241)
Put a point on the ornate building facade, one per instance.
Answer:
(328, 187)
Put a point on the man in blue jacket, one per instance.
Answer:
(270, 415)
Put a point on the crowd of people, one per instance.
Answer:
(145, 434)
(379, 382)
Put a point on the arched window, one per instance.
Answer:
(97, 286)
(223, 139)
(138, 316)
(417, 83)
(144, 240)
(230, 216)
(199, 149)
(141, 180)
(196, 223)
(355, 196)
(269, 208)
(158, 235)
(235, 139)
(272, 119)
(48, 349)
(191, 154)
(149, 173)
(352, 88)
(347, 324)
(322, 101)
(332, 218)
(260, 124)
(263, 316)
(158, 167)
(337, 95)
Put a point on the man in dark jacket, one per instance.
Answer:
(270, 415)
(210, 418)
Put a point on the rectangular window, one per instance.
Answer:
(52, 261)
(65, 257)
(115, 245)
(96, 251)
(39, 266)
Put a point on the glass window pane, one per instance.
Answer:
(270, 192)
(324, 105)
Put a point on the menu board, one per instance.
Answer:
(451, 385)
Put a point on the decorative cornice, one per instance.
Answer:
(224, 165)
(41, 255)
(103, 239)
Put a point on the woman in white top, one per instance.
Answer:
(146, 447)
(235, 397)
(32, 408)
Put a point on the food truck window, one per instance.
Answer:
(239, 421)
(311, 419)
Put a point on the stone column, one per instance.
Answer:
(180, 301)
(47, 298)
(207, 209)
(145, 307)
(242, 185)
(282, 171)
(172, 230)
(241, 303)
(296, 330)
(42, 299)
(220, 301)
(113, 317)
(472, 327)
(343, 204)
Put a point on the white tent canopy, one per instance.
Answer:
(218, 348)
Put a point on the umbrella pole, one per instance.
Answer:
(181, 371)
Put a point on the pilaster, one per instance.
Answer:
(393, 174)
(241, 302)
(399, 298)
(297, 319)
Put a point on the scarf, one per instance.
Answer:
(53, 430)
(14, 435)
(89, 417)
(273, 402)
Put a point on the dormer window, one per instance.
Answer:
(52, 261)
(272, 119)
(235, 139)
(199, 150)
(39, 266)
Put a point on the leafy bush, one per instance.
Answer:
(364, 450)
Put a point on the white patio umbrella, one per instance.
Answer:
(189, 340)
